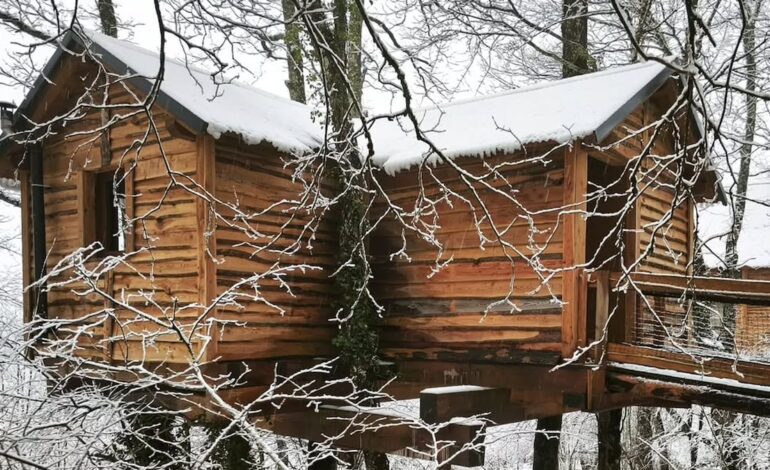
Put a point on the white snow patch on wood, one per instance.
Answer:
(696, 376)
(453, 389)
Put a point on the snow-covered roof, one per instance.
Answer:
(257, 116)
(559, 111)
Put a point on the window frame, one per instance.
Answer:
(86, 188)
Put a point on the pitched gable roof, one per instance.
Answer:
(560, 111)
(192, 95)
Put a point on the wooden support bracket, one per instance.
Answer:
(441, 404)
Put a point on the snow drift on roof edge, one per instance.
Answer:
(255, 115)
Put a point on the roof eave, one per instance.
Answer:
(191, 120)
(605, 128)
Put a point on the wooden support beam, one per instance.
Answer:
(382, 430)
(659, 391)
(632, 239)
(207, 243)
(718, 368)
(601, 317)
(26, 244)
(530, 379)
(439, 405)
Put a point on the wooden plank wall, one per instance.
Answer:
(671, 251)
(282, 323)
(752, 329)
(167, 270)
(63, 156)
(444, 315)
(167, 228)
(673, 241)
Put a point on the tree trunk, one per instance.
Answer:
(658, 430)
(546, 447)
(107, 17)
(355, 66)
(741, 184)
(357, 342)
(294, 60)
(609, 427)
(693, 430)
(641, 457)
(731, 452)
(574, 31)
(233, 452)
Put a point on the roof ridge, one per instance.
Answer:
(541, 85)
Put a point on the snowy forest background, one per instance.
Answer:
(448, 50)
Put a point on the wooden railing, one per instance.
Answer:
(705, 317)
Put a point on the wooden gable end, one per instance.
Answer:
(165, 271)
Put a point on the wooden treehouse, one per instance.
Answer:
(564, 213)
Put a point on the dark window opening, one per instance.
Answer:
(109, 214)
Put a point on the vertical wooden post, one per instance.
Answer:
(602, 308)
(574, 318)
(608, 431)
(109, 322)
(37, 189)
(26, 244)
(632, 252)
(130, 233)
(691, 235)
(207, 246)
(105, 141)
(546, 446)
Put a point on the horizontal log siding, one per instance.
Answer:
(292, 317)
(166, 271)
(449, 314)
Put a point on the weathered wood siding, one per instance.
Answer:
(664, 238)
(283, 311)
(663, 214)
(161, 279)
(166, 231)
(462, 310)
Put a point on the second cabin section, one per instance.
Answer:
(537, 190)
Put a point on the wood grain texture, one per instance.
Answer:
(487, 304)
(574, 296)
(167, 269)
(265, 235)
